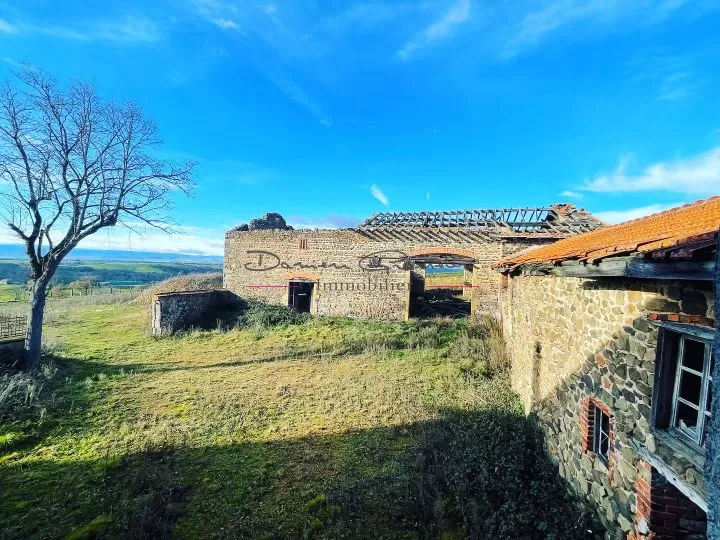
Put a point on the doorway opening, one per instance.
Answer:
(300, 295)
(441, 286)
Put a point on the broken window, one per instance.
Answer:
(684, 374)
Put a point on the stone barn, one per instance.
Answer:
(610, 338)
(377, 269)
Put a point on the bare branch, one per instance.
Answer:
(71, 161)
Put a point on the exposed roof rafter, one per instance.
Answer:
(559, 219)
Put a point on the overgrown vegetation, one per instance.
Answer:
(281, 427)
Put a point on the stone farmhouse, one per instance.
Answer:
(610, 337)
(378, 268)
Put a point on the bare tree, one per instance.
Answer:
(72, 164)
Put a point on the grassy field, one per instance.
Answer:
(443, 279)
(9, 293)
(328, 428)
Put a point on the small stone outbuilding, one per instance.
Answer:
(375, 269)
(610, 338)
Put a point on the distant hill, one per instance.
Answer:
(15, 251)
(118, 267)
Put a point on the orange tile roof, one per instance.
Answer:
(675, 227)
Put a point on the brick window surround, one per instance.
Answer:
(661, 511)
(587, 431)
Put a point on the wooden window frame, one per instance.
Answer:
(672, 338)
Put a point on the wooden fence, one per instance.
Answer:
(12, 328)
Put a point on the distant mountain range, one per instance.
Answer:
(14, 251)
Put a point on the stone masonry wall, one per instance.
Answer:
(181, 310)
(331, 257)
(578, 342)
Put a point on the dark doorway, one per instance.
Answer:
(300, 295)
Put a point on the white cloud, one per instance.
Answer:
(427, 196)
(620, 216)
(376, 192)
(699, 175)
(187, 240)
(441, 29)
(571, 194)
(6, 27)
(226, 23)
(331, 221)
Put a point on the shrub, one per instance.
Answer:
(258, 315)
(489, 474)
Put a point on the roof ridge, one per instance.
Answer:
(668, 211)
(662, 230)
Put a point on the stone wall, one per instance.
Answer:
(331, 259)
(176, 311)
(574, 341)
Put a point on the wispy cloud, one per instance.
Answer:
(571, 194)
(129, 30)
(6, 27)
(376, 192)
(296, 93)
(228, 24)
(669, 76)
(698, 175)
(12, 62)
(595, 15)
(362, 16)
(676, 86)
(273, 40)
(620, 216)
(439, 30)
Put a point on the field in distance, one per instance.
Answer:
(113, 272)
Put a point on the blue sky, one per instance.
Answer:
(330, 111)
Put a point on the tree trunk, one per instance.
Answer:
(712, 463)
(33, 339)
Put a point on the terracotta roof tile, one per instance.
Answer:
(667, 229)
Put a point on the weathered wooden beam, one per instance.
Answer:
(702, 332)
(712, 457)
(670, 475)
(637, 268)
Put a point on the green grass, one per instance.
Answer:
(8, 293)
(328, 428)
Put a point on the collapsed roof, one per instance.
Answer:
(685, 232)
(555, 221)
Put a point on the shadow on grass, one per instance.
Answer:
(464, 475)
